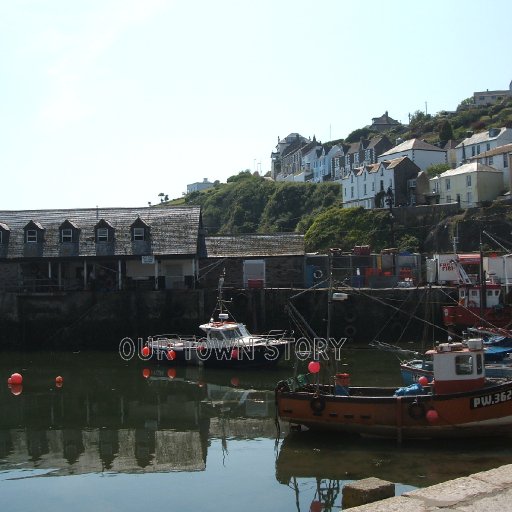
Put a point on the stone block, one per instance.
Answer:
(367, 490)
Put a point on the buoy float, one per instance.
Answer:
(146, 373)
(171, 355)
(432, 416)
(235, 381)
(234, 353)
(314, 367)
(16, 389)
(16, 378)
(59, 379)
(145, 351)
(423, 380)
(171, 373)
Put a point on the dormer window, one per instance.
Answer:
(104, 232)
(69, 232)
(66, 235)
(31, 236)
(34, 233)
(102, 235)
(138, 233)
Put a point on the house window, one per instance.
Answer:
(472, 150)
(66, 235)
(351, 191)
(470, 198)
(478, 149)
(31, 235)
(365, 189)
(505, 161)
(488, 146)
(491, 160)
(1, 239)
(468, 180)
(138, 233)
(447, 183)
(381, 185)
(373, 187)
(352, 178)
(102, 235)
(448, 199)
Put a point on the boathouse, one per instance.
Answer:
(100, 248)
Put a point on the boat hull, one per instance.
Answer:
(474, 414)
(261, 355)
(461, 317)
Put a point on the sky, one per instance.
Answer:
(110, 102)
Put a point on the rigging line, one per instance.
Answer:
(213, 266)
(380, 301)
(418, 302)
(390, 319)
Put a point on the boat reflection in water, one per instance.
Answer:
(317, 466)
(159, 420)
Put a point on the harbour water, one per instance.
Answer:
(127, 435)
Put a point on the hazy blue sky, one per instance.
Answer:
(109, 102)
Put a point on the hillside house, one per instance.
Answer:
(418, 151)
(487, 97)
(501, 159)
(368, 185)
(481, 142)
(470, 185)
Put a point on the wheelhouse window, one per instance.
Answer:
(66, 235)
(102, 235)
(138, 233)
(464, 364)
(31, 236)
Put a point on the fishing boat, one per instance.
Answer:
(226, 343)
(497, 345)
(477, 304)
(459, 401)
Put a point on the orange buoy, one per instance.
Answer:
(145, 351)
(171, 355)
(59, 379)
(146, 373)
(171, 373)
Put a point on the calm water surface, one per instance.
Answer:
(127, 436)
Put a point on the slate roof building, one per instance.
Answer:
(105, 248)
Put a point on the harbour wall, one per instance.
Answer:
(82, 320)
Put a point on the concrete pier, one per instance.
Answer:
(481, 492)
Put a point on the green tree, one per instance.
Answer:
(446, 131)
(437, 169)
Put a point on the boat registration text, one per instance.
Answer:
(492, 399)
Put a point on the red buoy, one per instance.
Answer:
(423, 380)
(16, 389)
(432, 416)
(16, 378)
(234, 353)
(171, 373)
(146, 373)
(59, 379)
(314, 367)
(235, 381)
(171, 355)
(145, 351)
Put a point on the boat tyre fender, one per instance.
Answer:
(317, 404)
(350, 316)
(416, 411)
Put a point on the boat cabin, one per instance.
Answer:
(471, 296)
(458, 368)
(224, 333)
